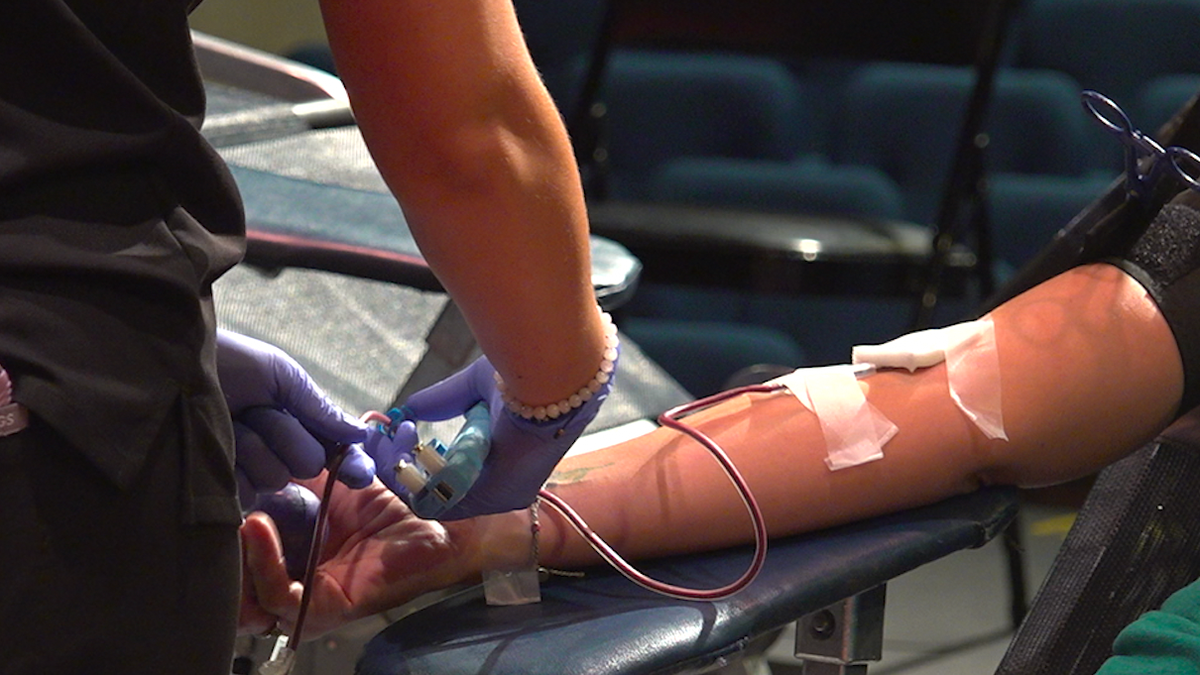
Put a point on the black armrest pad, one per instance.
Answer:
(293, 222)
(772, 251)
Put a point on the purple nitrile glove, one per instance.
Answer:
(523, 451)
(388, 448)
(294, 511)
(284, 425)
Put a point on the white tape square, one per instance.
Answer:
(972, 366)
(854, 430)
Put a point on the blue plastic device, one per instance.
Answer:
(460, 463)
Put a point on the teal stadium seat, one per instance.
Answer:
(1112, 46)
(905, 118)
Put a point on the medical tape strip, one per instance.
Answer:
(972, 366)
(854, 430)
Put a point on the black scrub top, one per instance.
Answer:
(115, 218)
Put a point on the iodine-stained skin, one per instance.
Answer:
(294, 510)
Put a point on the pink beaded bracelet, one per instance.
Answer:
(555, 410)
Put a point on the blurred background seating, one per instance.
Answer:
(843, 131)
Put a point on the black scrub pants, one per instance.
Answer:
(97, 579)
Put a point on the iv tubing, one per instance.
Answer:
(672, 419)
(314, 551)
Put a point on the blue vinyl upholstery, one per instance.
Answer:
(604, 625)
(1114, 46)
(809, 185)
(663, 106)
(1161, 97)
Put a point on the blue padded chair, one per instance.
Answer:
(663, 106)
(809, 185)
(1159, 98)
(905, 120)
(730, 116)
(721, 348)
(1112, 46)
(1026, 211)
(563, 37)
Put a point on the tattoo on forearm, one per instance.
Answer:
(576, 475)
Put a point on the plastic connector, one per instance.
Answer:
(429, 456)
(282, 660)
(410, 476)
(445, 474)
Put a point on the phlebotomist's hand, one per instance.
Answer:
(284, 425)
(523, 450)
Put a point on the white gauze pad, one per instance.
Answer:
(854, 430)
(972, 366)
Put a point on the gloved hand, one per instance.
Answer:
(294, 510)
(523, 451)
(284, 425)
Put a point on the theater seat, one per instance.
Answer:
(809, 185)
(904, 119)
(662, 106)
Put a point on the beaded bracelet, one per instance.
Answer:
(535, 530)
(585, 393)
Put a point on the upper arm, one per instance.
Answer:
(425, 74)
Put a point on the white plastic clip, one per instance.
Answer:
(283, 658)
